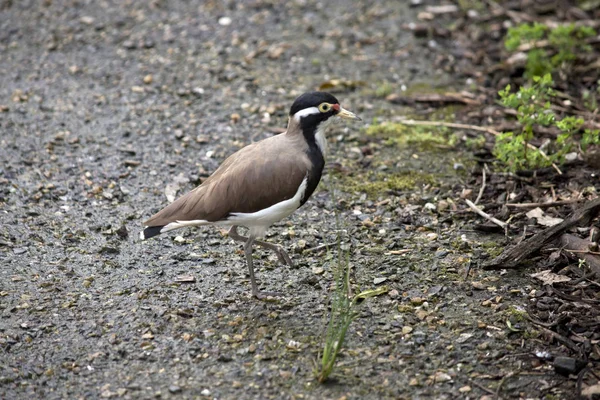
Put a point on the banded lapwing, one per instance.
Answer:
(260, 184)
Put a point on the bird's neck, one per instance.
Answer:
(314, 135)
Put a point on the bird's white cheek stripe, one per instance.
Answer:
(305, 112)
(320, 136)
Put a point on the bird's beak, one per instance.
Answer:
(343, 113)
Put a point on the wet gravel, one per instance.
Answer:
(106, 107)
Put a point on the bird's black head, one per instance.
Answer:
(313, 108)
(311, 100)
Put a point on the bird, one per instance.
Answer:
(260, 184)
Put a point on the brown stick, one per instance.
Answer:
(485, 215)
(515, 255)
(581, 249)
(543, 205)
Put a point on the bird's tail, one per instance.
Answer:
(151, 231)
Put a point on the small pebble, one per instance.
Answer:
(224, 21)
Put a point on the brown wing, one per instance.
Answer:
(254, 178)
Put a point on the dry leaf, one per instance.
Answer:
(543, 219)
(548, 277)
(591, 390)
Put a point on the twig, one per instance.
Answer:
(485, 215)
(510, 258)
(504, 378)
(482, 186)
(543, 205)
(320, 247)
(475, 128)
(559, 338)
(480, 386)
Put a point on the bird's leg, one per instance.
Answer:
(279, 251)
(255, 292)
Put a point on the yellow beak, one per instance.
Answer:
(343, 113)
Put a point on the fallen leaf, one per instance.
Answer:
(548, 277)
(543, 219)
(591, 390)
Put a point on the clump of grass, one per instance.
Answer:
(344, 310)
(384, 90)
(423, 138)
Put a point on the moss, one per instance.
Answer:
(375, 184)
(425, 87)
(423, 137)
(492, 248)
(517, 315)
(383, 89)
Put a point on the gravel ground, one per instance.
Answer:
(105, 107)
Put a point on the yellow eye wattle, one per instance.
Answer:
(324, 107)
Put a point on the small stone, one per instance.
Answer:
(417, 301)
(87, 20)
(406, 330)
(413, 382)
(464, 337)
(368, 223)
(465, 389)
(442, 205)
(129, 44)
(441, 253)
(567, 365)
(179, 239)
(442, 377)
(377, 281)
(148, 336)
(393, 294)
(571, 156)
(432, 236)
(466, 194)
(235, 117)
(148, 79)
(225, 21)
(430, 206)
(478, 285)
(318, 270)
(175, 389)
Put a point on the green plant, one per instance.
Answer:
(533, 108)
(344, 310)
(564, 42)
(384, 89)
(532, 104)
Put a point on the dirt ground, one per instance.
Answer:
(105, 104)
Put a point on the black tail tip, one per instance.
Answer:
(150, 231)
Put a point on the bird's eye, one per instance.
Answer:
(324, 107)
